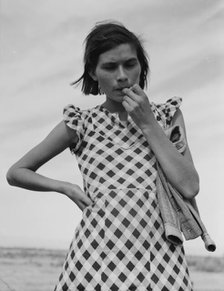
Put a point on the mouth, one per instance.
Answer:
(120, 89)
(123, 87)
(119, 92)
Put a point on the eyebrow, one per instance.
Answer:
(115, 62)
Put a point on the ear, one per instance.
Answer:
(93, 75)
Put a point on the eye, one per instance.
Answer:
(109, 68)
(130, 64)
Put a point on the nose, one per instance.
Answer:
(121, 74)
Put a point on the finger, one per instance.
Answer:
(83, 196)
(83, 204)
(130, 101)
(129, 92)
(137, 89)
(77, 202)
(127, 106)
(140, 92)
(86, 201)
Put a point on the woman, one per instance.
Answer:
(120, 242)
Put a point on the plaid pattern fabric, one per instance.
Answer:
(119, 243)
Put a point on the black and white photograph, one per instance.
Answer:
(112, 137)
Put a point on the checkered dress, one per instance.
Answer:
(119, 243)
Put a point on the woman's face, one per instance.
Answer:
(117, 68)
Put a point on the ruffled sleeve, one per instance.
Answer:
(164, 112)
(171, 107)
(73, 119)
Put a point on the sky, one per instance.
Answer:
(41, 54)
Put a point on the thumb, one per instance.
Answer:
(85, 199)
(138, 90)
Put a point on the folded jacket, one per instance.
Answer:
(180, 215)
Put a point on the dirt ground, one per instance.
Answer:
(38, 270)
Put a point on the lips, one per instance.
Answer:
(119, 92)
(121, 88)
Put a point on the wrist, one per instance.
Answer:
(148, 123)
(152, 131)
(149, 127)
(61, 186)
(145, 130)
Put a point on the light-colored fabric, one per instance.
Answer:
(179, 215)
(120, 243)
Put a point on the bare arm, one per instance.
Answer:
(23, 172)
(179, 169)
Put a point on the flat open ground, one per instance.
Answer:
(38, 270)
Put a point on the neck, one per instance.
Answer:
(116, 107)
(113, 106)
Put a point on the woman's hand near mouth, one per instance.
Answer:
(137, 105)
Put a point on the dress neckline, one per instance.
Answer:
(114, 116)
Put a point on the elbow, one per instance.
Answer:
(195, 185)
(10, 177)
(192, 187)
(194, 190)
(189, 186)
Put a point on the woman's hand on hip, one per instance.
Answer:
(137, 105)
(77, 195)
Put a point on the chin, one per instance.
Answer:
(118, 99)
(115, 98)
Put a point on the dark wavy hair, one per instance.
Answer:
(103, 37)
